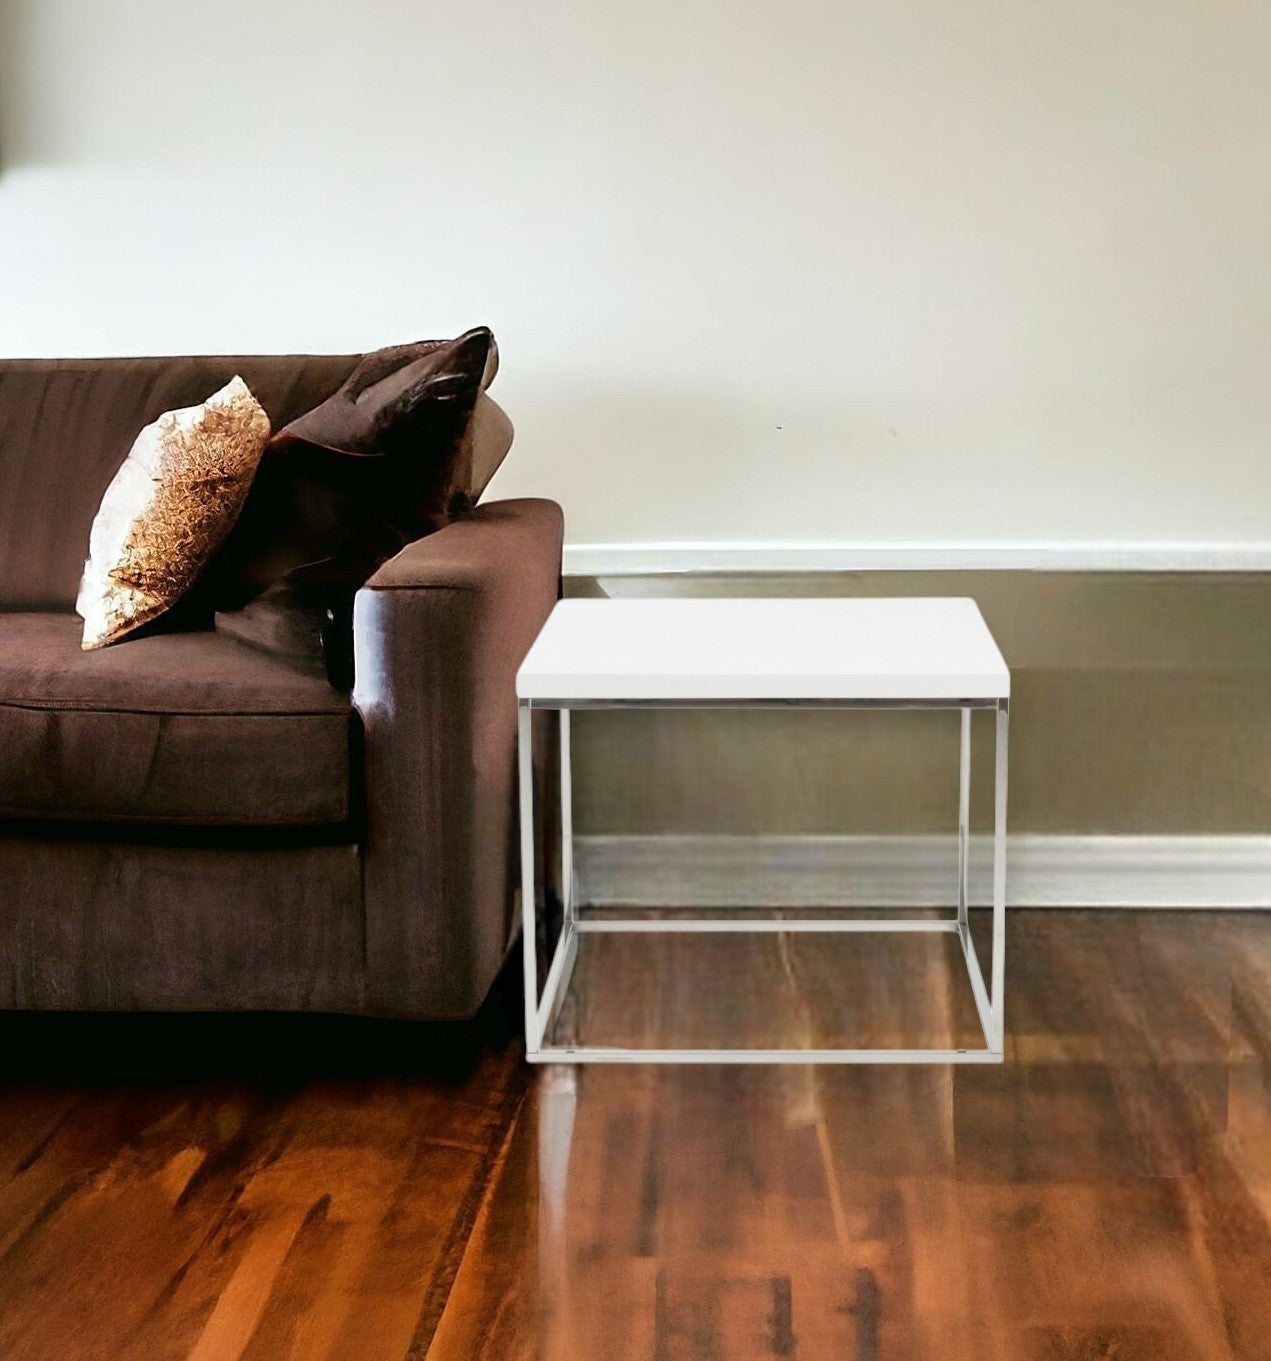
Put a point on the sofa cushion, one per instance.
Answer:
(181, 728)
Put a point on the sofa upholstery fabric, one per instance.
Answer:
(186, 728)
(440, 631)
(112, 924)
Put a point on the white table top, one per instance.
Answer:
(769, 649)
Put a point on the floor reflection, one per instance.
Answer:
(1107, 1191)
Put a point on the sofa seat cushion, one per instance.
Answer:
(182, 728)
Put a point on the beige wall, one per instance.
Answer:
(1140, 705)
(912, 270)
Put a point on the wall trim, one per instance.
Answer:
(653, 559)
(919, 871)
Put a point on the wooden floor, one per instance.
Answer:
(224, 1189)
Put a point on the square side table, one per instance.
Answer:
(767, 653)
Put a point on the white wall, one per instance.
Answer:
(908, 270)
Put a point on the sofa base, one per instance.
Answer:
(95, 925)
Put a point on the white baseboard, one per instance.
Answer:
(920, 871)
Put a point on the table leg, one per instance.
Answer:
(999, 878)
(566, 822)
(529, 930)
(964, 814)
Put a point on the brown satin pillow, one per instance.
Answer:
(489, 434)
(382, 462)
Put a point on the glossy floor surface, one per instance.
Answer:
(335, 1190)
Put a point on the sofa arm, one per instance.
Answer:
(439, 632)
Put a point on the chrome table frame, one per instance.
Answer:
(541, 1013)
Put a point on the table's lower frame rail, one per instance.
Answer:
(542, 1013)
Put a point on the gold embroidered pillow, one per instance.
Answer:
(167, 509)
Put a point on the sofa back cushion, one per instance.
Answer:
(67, 424)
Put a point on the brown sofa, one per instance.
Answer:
(190, 824)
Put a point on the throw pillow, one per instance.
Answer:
(167, 509)
(349, 484)
(489, 435)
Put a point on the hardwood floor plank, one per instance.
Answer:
(1105, 1193)
(245, 1218)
